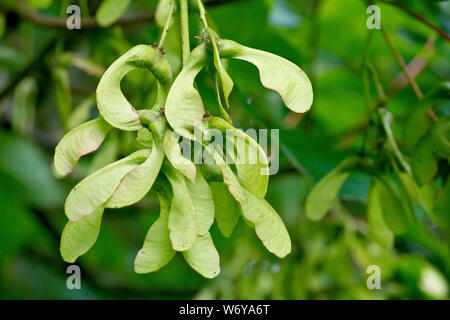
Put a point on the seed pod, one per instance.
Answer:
(251, 160)
(183, 223)
(268, 225)
(203, 202)
(203, 257)
(112, 104)
(184, 106)
(276, 73)
(138, 182)
(96, 189)
(78, 237)
(78, 142)
(176, 159)
(157, 250)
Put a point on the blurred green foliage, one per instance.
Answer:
(329, 40)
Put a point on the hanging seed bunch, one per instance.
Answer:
(191, 195)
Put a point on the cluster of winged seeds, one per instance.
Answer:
(191, 195)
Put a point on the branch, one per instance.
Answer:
(89, 22)
(418, 17)
(406, 72)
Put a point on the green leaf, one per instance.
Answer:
(227, 209)
(183, 223)
(276, 73)
(28, 164)
(251, 160)
(110, 11)
(395, 215)
(433, 145)
(268, 225)
(377, 227)
(112, 104)
(95, 190)
(203, 202)
(184, 106)
(324, 194)
(138, 182)
(80, 141)
(78, 237)
(81, 113)
(157, 250)
(175, 157)
(441, 212)
(63, 94)
(162, 12)
(39, 4)
(203, 257)
(24, 106)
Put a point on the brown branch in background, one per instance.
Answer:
(418, 17)
(406, 73)
(417, 65)
(402, 64)
(44, 20)
(414, 68)
(86, 23)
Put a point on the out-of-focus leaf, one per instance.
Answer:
(324, 194)
(24, 161)
(157, 250)
(63, 94)
(81, 113)
(276, 73)
(203, 202)
(162, 12)
(184, 106)
(95, 190)
(434, 144)
(268, 225)
(441, 212)
(80, 141)
(24, 106)
(227, 209)
(203, 257)
(377, 227)
(395, 215)
(110, 11)
(39, 4)
(87, 65)
(183, 224)
(78, 237)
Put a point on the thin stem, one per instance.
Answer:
(184, 18)
(402, 63)
(202, 12)
(403, 66)
(167, 25)
(418, 17)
